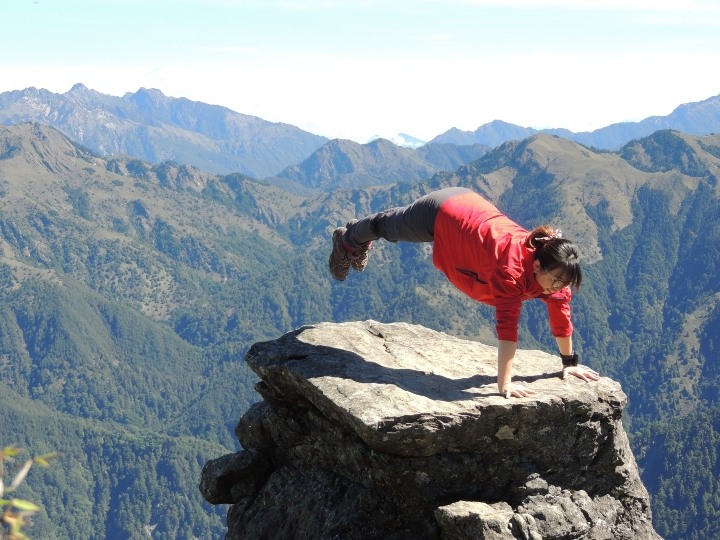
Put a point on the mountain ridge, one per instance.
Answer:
(698, 118)
(342, 164)
(149, 125)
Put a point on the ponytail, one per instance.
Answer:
(553, 251)
(542, 234)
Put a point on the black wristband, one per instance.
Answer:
(569, 360)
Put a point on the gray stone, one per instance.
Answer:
(229, 478)
(467, 520)
(397, 431)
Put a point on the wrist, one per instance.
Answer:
(569, 360)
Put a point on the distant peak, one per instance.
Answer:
(82, 93)
(31, 90)
(78, 88)
(497, 122)
(154, 92)
(339, 143)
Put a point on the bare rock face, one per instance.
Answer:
(371, 430)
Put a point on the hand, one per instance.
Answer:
(581, 372)
(515, 390)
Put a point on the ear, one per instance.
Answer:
(536, 266)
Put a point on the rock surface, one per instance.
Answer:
(370, 430)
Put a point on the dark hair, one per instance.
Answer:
(553, 251)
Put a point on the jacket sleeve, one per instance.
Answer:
(559, 314)
(508, 303)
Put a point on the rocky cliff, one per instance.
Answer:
(370, 430)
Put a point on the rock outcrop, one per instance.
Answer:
(370, 430)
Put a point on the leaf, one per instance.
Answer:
(45, 459)
(10, 451)
(22, 504)
(20, 476)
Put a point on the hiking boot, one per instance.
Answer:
(359, 256)
(339, 262)
(344, 256)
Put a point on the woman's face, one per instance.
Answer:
(551, 281)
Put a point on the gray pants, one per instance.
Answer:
(412, 223)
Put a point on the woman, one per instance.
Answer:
(485, 255)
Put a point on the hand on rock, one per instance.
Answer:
(516, 390)
(581, 372)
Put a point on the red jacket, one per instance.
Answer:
(482, 253)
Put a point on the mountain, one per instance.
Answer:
(346, 164)
(93, 263)
(111, 481)
(131, 291)
(448, 157)
(491, 134)
(700, 118)
(153, 127)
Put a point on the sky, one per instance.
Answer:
(358, 69)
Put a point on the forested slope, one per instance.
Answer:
(131, 291)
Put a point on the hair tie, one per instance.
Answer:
(555, 235)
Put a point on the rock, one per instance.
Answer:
(476, 520)
(397, 431)
(230, 478)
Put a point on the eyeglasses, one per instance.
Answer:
(557, 282)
